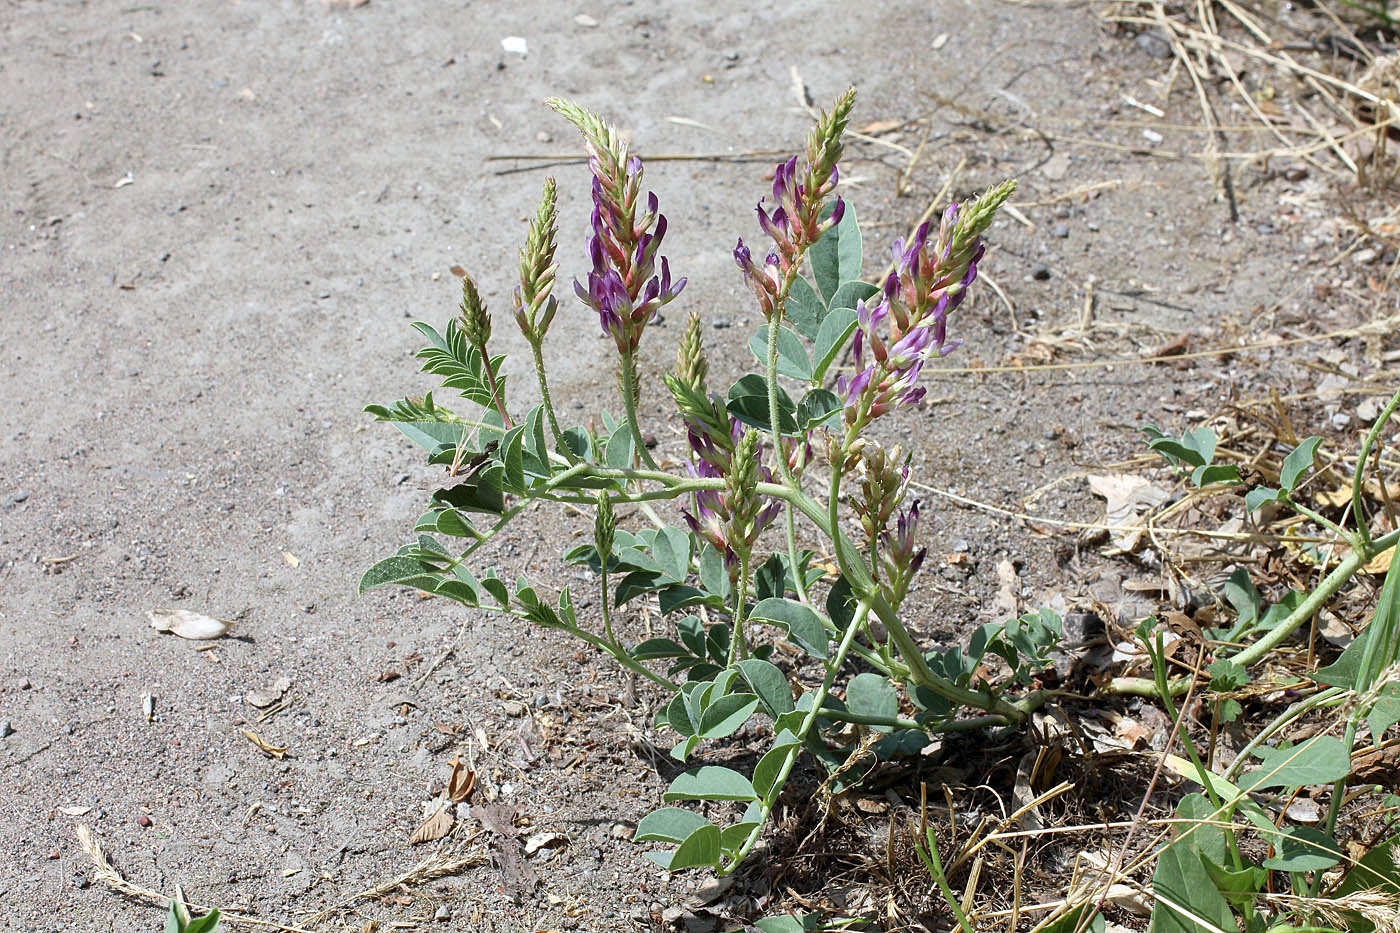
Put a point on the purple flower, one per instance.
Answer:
(888, 381)
(624, 288)
(902, 555)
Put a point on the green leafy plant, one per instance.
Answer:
(782, 447)
(179, 920)
(1204, 880)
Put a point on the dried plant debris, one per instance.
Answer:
(186, 624)
(434, 827)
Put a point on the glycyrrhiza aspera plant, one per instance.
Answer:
(778, 449)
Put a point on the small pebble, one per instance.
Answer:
(20, 496)
(6, 728)
(143, 821)
(583, 19)
(442, 913)
(1060, 230)
(720, 324)
(1154, 45)
(1040, 274)
(1340, 420)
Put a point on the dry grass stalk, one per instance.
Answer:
(437, 865)
(104, 871)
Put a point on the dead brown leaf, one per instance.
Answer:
(461, 782)
(434, 827)
(272, 751)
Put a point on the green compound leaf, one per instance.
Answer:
(803, 626)
(770, 684)
(1320, 760)
(654, 648)
(1260, 495)
(837, 256)
(671, 551)
(805, 310)
(393, 570)
(852, 293)
(872, 695)
(669, 824)
(817, 408)
(831, 339)
(724, 716)
(765, 773)
(1297, 463)
(710, 782)
(792, 355)
(748, 401)
(1215, 473)
(700, 848)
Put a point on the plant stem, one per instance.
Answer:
(738, 647)
(853, 567)
(607, 612)
(1137, 686)
(629, 401)
(935, 868)
(536, 347)
(1360, 517)
(491, 384)
(774, 326)
(766, 805)
(869, 719)
(799, 584)
(1325, 522)
(618, 654)
(1302, 707)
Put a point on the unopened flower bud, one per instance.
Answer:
(476, 320)
(603, 527)
(691, 367)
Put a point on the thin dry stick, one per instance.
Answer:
(1099, 526)
(1383, 326)
(437, 865)
(1116, 867)
(104, 871)
(1218, 169)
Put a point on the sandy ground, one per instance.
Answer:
(216, 223)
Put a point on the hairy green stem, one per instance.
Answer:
(629, 401)
(1136, 686)
(537, 350)
(1325, 522)
(607, 612)
(738, 647)
(1282, 721)
(1361, 525)
(619, 655)
(853, 566)
(766, 805)
(790, 524)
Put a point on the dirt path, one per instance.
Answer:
(217, 222)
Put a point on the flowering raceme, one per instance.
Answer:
(910, 321)
(732, 518)
(796, 223)
(623, 287)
